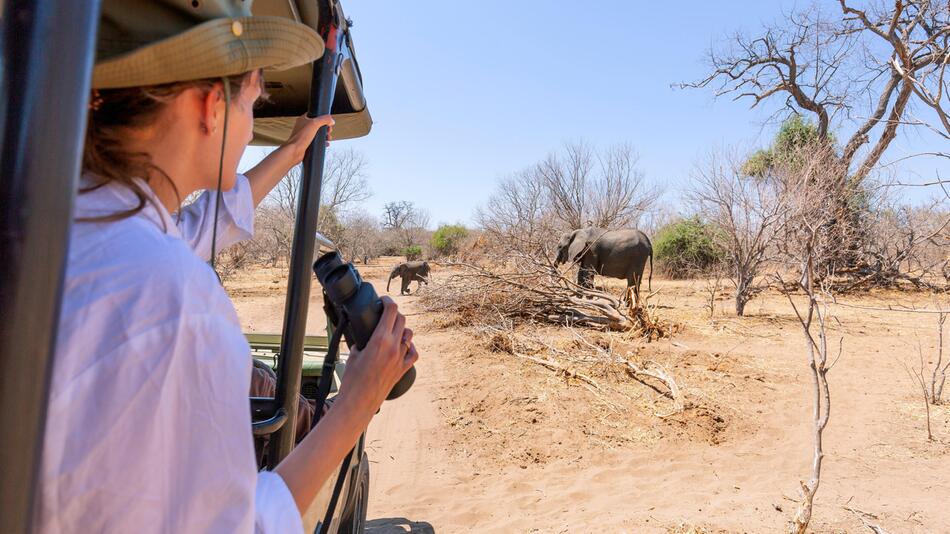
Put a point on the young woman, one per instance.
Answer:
(148, 425)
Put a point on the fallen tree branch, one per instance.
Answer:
(529, 289)
(657, 372)
(865, 518)
(890, 308)
(555, 366)
(589, 382)
(504, 340)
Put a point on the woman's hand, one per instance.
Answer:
(268, 173)
(303, 133)
(370, 375)
(372, 372)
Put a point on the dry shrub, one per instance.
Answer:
(532, 290)
(499, 342)
(650, 324)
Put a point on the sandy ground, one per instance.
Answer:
(491, 443)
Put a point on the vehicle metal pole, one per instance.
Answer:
(322, 89)
(48, 49)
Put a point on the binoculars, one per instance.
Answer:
(353, 304)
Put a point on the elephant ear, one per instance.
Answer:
(577, 246)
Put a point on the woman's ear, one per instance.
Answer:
(210, 104)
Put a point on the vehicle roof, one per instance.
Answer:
(289, 90)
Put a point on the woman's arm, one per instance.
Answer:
(370, 375)
(268, 173)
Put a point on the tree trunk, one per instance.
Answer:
(742, 295)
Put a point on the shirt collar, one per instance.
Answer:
(114, 197)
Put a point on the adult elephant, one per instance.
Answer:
(613, 253)
(409, 271)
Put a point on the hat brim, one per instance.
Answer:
(220, 47)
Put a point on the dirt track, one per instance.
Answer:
(486, 442)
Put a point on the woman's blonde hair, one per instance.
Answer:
(112, 114)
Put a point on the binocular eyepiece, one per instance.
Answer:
(347, 296)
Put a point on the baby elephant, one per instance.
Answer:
(409, 271)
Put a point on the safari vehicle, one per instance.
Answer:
(48, 51)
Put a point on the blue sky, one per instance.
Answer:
(465, 93)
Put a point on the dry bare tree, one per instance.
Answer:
(939, 375)
(605, 190)
(273, 233)
(406, 223)
(854, 70)
(813, 319)
(344, 185)
(931, 387)
(574, 188)
(864, 73)
(516, 216)
(903, 244)
(712, 284)
(362, 236)
(915, 35)
(749, 215)
(931, 381)
(916, 374)
(813, 236)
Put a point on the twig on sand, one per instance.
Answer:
(589, 382)
(555, 366)
(657, 372)
(866, 518)
(505, 340)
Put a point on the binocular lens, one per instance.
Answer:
(341, 283)
(326, 264)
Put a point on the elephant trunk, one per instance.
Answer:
(391, 276)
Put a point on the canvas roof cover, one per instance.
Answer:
(289, 90)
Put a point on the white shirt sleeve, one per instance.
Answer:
(275, 510)
(235, 219)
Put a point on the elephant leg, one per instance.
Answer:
(639, 274)
(585, 277)
(404, 290)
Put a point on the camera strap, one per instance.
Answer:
(329, 366)
(337, 490)
(323, 391)
(217, 199)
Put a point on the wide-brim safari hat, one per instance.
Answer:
(152, 42)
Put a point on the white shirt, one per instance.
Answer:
(149, 426)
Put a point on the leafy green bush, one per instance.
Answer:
(413, 252)
(795, 134)
(758, 164)
(686, 247)
(447, 238)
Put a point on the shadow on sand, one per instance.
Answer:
(397, 525)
